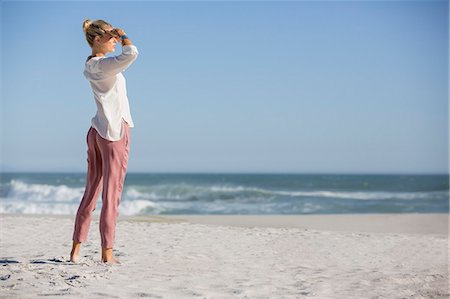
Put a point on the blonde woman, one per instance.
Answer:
(108, 138)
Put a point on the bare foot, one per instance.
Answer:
(73, 257)
(112, 261)
(107, 256)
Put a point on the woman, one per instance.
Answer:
(108, 137)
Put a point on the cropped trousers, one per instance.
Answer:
(107, 165)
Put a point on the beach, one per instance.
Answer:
(230, 256)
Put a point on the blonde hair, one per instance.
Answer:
(93, 29)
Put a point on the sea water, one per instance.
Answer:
(149, 194)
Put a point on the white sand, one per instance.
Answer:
(332, 256)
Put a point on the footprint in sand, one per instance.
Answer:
(75, 281)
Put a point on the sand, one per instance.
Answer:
(230, 256)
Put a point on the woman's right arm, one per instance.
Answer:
(111, 66)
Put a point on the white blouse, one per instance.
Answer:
(110, 92)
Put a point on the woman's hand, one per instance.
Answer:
(118, 32)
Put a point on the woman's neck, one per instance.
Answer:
(95, 55)
(98, 54)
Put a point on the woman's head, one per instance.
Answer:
(100, 35)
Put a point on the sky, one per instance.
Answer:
(235, 86)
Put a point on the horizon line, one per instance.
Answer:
(237, 173)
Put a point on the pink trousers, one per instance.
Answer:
(107, 165)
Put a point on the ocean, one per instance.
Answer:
(164, 194)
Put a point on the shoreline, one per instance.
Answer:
(414, 223)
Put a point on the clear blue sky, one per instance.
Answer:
(307, 87)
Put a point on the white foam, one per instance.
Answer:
(42, 192)
(136, 207)
(22, 197)
(25, 207)
(361, 195)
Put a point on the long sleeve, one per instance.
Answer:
(111, 66)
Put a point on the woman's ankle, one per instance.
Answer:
(76, 246)
(107, 252)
